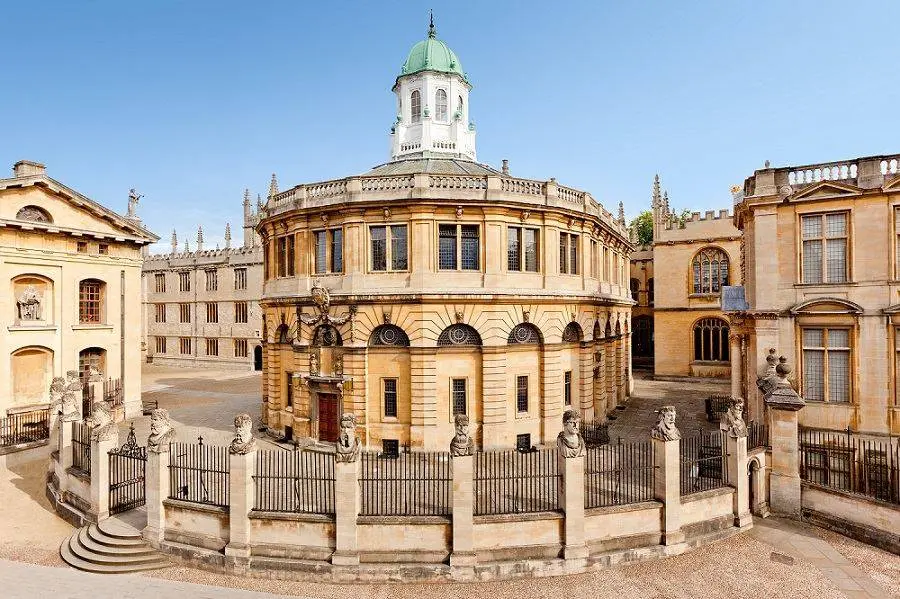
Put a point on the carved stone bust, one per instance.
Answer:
(243, 441)
(569, 442)
(161, 431)
(57, 390)
(665, 429)
(347, 445)
(733, 419)
(103, 427)
(461, 444)
(70, 406)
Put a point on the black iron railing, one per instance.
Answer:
(703, 465)
(294, 481)
(845, 461)
(715, 406)
(411, 484)
(25, 427)
(757, 435)
(81, 447)
(199, 473)
(113, 392)
(618, 474)
(509, 482)
(595, 433)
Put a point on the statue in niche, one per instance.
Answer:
(314, 368)
(243, 441)
(162, 433)
(665, 429)
(347, 445)
(461, 444)
(569, 442)
(102, 426)
(338, 365)
(733, 419)
(29, 304)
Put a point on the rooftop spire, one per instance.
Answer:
(432, 33)
(174, 242)
(656, 196)
(228, 235)
(200, 238)
(273, 186)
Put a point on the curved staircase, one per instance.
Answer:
(110, 547)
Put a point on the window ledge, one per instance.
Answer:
(33, 327)
(92, 327)
(710, 363)
(844, 284)
(707, 296)
(822, 402)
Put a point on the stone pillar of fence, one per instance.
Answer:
(570, 450)
(241, 468)
(95, 382)
(346, 494)
(784, 479)
(463, 511)
(104, 438)
(156, 476)
(64, 438)
(666, 442)
(736, 456)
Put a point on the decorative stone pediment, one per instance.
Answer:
(892, 184)
(827, 190)
(826, 305)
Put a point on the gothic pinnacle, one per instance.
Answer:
(246, 197)
(273, 186)
(174, 242)
(621, 213)
(227, 235)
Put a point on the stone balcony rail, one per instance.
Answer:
(866, 173)
(526, 192)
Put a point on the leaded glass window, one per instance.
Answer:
(379, 248)
(711, 340)
(337, 250)
(415, 103)
(469, 249)
(710, 271)
(390, 398)
(440, 106)
(459, 334)
(524, 333)
(388, 334)
(458, 393)
(824, 248)
(826, 364)
(447, 247)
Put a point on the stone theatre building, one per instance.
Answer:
(201, 307)
(434, 285)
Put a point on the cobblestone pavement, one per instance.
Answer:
(639, 415)
(777, 559)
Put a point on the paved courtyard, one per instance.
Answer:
(778, 558)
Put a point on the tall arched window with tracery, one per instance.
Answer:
(440, 106)
(711, 340)
(415, 107)
(710, 270)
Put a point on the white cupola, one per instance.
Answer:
(432, 104)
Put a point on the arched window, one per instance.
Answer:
(327, 336)
(650, 291)
(524, 333)
(91, 300)
(440, 104)
(91, 357)
(34, 214)
(460, 109)
(635, 289)
(598, 330)
(388, 334)
(711, 340)
(572, 333)
(415, 104)
(710, 269)
(282, 334)
(459, 334)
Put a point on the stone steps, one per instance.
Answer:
(110, 548)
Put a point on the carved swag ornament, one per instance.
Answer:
(322, 300)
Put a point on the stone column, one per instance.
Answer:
(736, 450)
(784, 478)
(463, 510)
(100, 447)
(241, 490)
(157, 490)
(346, 512)
(666, 442)
(736, 370)
(571, 500)
(585, 389)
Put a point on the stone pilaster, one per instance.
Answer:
(157, 490)
(552, 394)
(495, 390)
(571, 500)
(423, 387)
(100, 476)
(736, 452)
(667, 488)
(355, 401)
(585, 390)
(599, 381)
(620, 370)
(463, 510)
(346, 512)
(609, 385)
(736, 370)
(241, 468)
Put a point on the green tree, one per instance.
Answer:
(643, 226)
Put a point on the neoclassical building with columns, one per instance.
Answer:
(433, 285)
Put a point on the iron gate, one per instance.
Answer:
(127, 467)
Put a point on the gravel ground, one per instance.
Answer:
(880, 566)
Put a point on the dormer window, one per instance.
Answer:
(440, 102)
(415, 107)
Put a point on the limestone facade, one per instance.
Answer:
(678, 281)
(821, 283)
(72, 273)
(202, 307)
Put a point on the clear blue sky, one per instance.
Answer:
(190, 102)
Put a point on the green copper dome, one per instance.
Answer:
(432, 54)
